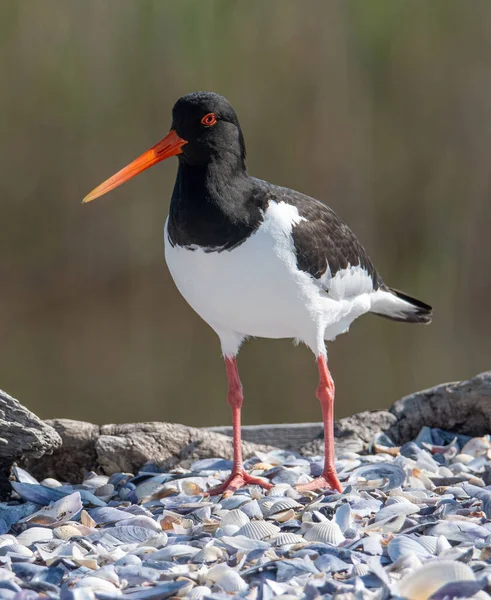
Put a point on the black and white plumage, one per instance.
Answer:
(255, 259)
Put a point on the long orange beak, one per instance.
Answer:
(170, 146)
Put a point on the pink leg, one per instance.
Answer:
(325, 394)
(238, 477)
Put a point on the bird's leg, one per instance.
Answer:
(238, 478)
(325, 394)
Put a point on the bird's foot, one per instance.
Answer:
(237, 480)
(324, 482)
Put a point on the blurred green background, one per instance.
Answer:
(382, 109)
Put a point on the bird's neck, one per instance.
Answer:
(212, 204)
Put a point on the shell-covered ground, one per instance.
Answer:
(412, 522)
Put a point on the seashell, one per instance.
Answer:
(241, 542)
(226, 530)
(61, 511)
(402, 545)
(199, 592)
(395, 510)
(361, 569)
(459, 531)
(234, 517)
(86, 519)
(325, 531)
(477, 446)
(258, 530)
(33, 535)
(228, 579)
(281, 505)
(282, 490)
(235, 501)
(128, 534)
(17, 550)
(328, 563)
(105, 491)
(422, 583)
(107, 515)
(209, 554)
(140, 521)
(97, 584)
(24, 476)
(252, 509)
(343, 517)
(66, 532)
(175, 551)
(51, 482)
(128, 559)
(287, 539)
(157, 541)
(382, 476)
(284, 516)
(169, 589)
(39, 494)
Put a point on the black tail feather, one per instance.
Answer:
(416, 312)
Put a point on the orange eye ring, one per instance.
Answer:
(209, 120)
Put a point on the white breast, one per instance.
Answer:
(256, 288)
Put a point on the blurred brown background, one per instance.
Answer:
(381, 108)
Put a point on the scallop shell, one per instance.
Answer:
(258, 530)
(422, 583)
(360, 569)
(402, 545)
(325, 531)
(281, 505)
(285, 539)
(234, 517)
(199, 592)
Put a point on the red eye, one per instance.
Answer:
(209, 120)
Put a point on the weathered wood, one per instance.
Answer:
(463, 407)
(22, 435)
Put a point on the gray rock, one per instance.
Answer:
(462, 407)
(22, 434)
(76, 456)
(127, 447)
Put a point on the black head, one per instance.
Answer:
(210, 127)
(205, 130)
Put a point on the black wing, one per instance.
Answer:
(323, 240)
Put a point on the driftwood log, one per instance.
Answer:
(67, 449)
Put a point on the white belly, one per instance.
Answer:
(256, 288)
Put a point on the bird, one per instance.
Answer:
(254, 259)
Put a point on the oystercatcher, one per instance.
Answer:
(257, 260)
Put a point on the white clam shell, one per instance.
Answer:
(226, 530)
(402, 545)
(199, 592)
(33, 535)
(325, 531)
(422, 583)
(228, 579)
(396, 510)
(258, 530)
